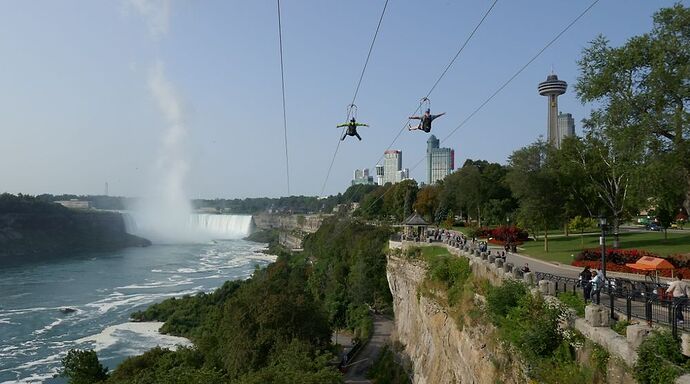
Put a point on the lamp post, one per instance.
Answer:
(602, 242)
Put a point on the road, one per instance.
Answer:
(357, 369)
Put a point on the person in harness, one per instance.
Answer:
(351, 129)
(425, 121)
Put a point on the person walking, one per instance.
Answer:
(585, 278)
(679, 290)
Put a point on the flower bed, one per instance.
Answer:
(617, 258)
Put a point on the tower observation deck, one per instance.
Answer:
(552, 88)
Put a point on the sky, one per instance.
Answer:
(151, 95)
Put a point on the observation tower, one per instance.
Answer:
(552, 88)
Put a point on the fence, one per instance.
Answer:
(631, 298)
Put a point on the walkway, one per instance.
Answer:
(357, 369)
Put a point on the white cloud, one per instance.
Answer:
(156, 13)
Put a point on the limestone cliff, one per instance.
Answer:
(442, 352)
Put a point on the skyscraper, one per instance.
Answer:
(566, 127)
(392, 163)
(391, 171)
(379, 174)
(361, 176)
(552, 88)
(440, 162)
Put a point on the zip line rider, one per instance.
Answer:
(426, 119)
(352, 128)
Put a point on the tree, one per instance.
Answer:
(610, 161)
(427, 201)
(83, 367)
(644, 86)
(579, 223)
(534, 183)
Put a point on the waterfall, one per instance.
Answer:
(221, 226)
(199, 227)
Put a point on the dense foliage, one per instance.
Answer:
(530, 326)
(83, 367)
(268, 326)
(660, 360)
(349, 271)
(276, 326)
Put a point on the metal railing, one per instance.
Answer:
(631, 298)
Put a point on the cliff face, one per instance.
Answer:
(441, 352)
(31, 236)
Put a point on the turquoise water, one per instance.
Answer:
(103, 289)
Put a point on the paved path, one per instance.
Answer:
(358, 368)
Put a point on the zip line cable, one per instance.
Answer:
(282, 83)
(354, 97)
(438, 80)
(503, 86)
(433, 87)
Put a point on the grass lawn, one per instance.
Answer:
(434, 251)
(561, 248)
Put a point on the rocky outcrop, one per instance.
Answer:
(440, 350)
(32, 236)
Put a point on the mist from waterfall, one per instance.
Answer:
(165, 212)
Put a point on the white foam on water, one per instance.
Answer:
(148, 331)
(157, 284)
(49, 326)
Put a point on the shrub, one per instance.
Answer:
(500, 300)
(573, 301)
(452, 272)
(660, 360)
(620, 327)
(509, 234)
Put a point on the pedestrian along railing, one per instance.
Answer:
(629, 298)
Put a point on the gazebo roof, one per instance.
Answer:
(648, 263)
(415, 219)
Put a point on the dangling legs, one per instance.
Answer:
(344, 135)
(358, 136)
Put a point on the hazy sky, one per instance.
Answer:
(124, 91)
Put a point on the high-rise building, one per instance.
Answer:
(552, 88)
(361, 176)
(392, 163)
(379, 174)
(440, 162)
(566, 127)
(391, 171)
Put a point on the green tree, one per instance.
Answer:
(428, 200)
(579, 224)
(610, 161)
(643, 87)
(83, 367)
(534, 183)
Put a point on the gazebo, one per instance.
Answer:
(414, 228)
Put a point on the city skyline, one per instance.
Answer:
(97, 92)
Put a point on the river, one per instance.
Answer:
(104, 289)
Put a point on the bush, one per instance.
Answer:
(620, 327)
(509, 234)
(660, 360)
(500, 300)
(573, 301)
(452, 272)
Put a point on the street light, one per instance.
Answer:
(602, 242)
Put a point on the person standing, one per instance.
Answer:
(585, 278)
(597, 283)
(679, 290)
